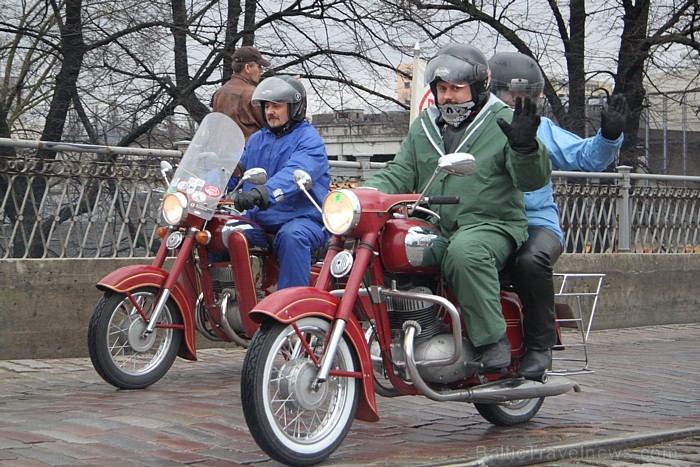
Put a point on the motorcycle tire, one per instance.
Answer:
(510, 412)
(119, 353)
(291, 423)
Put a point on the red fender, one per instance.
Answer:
(131, 277)
(294, 303)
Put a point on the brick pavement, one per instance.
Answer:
(59, 412)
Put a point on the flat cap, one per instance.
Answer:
(247, 54)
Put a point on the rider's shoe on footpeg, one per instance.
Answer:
(495, 355)
(535, 363)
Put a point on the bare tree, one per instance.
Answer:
(646, 29)
(127, 67)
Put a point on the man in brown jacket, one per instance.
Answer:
(233, 98)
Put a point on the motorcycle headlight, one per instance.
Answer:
(174, 208)
(341, 212)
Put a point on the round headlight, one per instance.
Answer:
(174, 208)
(341, 212)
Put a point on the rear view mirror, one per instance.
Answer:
(457, 163)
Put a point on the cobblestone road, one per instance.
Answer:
(59, 412)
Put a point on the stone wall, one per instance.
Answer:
(45, 305)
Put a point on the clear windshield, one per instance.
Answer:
(208, 163)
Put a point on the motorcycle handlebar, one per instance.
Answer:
(442, 200)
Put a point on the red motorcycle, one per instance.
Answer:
(148, 314)
(323, 352)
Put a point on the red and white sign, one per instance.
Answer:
(427, 100)
(212, 191)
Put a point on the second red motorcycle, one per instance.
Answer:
(378, 321)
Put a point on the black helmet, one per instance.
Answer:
(281, 89)
(515, 72)
(456, 63)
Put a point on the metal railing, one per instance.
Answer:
(103, 202)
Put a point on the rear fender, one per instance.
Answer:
(129, 278)
(294, 303)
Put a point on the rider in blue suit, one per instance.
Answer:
(285, 144)
(517, 75)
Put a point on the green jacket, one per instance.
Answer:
(493, 195)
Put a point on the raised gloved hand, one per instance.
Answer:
(614, 118)
(249, 199)
(522, 130)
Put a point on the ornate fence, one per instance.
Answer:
(102, 202)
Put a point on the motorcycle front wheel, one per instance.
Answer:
(510, 412)
(290, 421)
(120, 353)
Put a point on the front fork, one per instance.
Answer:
(182, 257)
(363, 259)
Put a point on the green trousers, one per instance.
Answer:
(470, 265)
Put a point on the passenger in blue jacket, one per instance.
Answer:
(286, 143)
(517, 75)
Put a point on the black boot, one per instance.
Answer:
(535, 363)
(495, 355)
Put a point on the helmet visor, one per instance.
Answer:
(517, 87)
(276, 90)
(453, 69)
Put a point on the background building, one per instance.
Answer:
(352, 131)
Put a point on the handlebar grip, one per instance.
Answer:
(442, 200)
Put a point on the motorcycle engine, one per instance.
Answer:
(434, 342)
(221, 279)
(223, 283)
(403, 309)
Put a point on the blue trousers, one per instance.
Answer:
(293, 244)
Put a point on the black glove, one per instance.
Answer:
(522, 131)
(249, 199)
(614, 118)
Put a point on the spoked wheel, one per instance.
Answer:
(293, 423)
(510, 412)
(120, 353)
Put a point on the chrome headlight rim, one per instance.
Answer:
(352, 217)
(174, 208)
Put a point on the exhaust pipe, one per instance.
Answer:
(507, 389)
(519, 388)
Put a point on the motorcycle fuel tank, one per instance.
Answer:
(408, 246)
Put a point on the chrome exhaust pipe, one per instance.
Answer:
(520, 388)
(506, 389)
(235, 338)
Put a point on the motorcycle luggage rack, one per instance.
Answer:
(576, 303)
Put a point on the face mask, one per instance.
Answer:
(455, 114)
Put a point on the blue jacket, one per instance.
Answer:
(301, 148)
(567, 152)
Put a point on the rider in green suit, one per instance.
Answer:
(489, 223)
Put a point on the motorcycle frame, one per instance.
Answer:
(185, 281)
(289, 305)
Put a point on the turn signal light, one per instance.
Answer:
(203, 237)
(162, 232)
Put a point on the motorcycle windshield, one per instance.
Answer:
(208, 163)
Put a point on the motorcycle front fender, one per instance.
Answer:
(128, 278)
(294, 303)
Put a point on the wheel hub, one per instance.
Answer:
(137, 340)
(296, 379)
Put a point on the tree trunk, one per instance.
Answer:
(73, 51)
(633, 54)
(233, 15)
(575, 55)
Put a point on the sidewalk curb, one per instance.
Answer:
(575, 450)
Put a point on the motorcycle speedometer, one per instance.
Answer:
(341, 212)
(174, 208)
